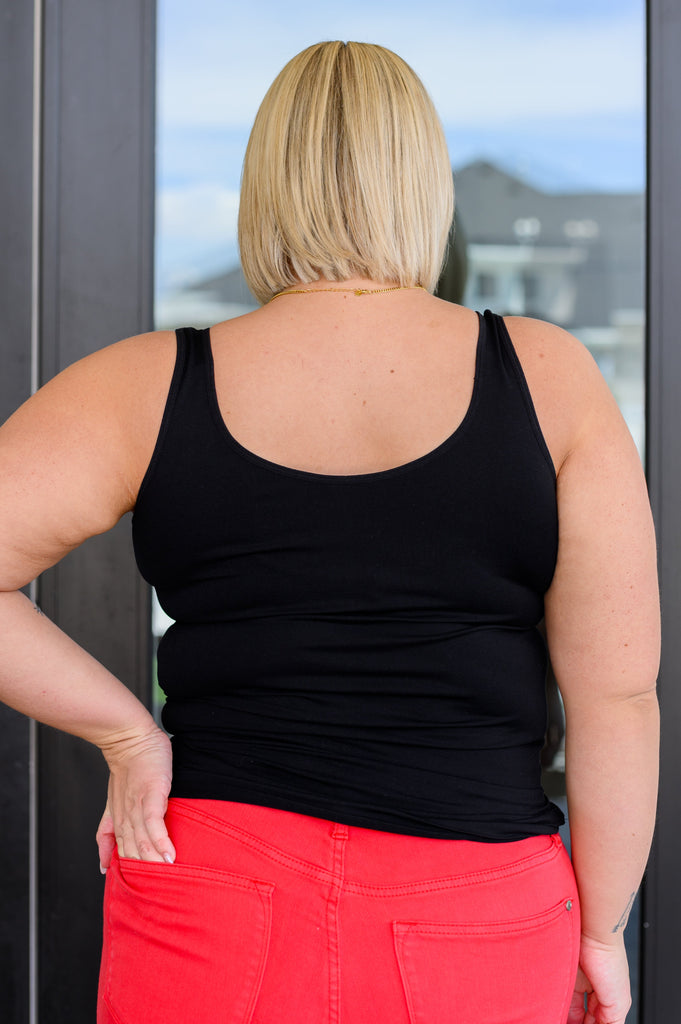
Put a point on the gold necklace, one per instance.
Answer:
(354, 291)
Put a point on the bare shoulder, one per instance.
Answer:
(117, 370)
(541, 338)
(72, 456)
(117, 387)
(570, 395)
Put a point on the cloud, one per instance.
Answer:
(549, 72)
(204, 212)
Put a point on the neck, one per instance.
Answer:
(356, 285)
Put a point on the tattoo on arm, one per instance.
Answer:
(622, 923)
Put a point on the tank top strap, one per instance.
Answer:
(188, 397)
(504, 385)
(194, 354)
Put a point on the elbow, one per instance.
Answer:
(645, 698)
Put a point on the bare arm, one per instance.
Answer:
(71, 460)
(602, 620)
(603, 627)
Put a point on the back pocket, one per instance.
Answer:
(183, 943)
(512, 972)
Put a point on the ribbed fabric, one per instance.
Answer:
(357, 648)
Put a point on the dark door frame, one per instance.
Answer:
(661, 918)
(77, 119)
(76, 212)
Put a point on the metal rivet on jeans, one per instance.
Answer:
(568, 905)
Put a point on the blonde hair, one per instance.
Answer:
(346, 174)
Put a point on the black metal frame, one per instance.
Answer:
(95, 199)
(92, 285)
(16, 128)
(661, 919)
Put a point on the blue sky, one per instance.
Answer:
(553, 90)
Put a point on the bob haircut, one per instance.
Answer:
(346, 174)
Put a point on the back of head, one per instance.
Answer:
(346, 174)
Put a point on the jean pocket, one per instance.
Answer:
(183, 943)
(519, 971)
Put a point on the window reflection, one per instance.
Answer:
(574, 258)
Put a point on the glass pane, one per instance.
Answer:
(543, 107)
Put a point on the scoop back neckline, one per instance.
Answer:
(378, 474)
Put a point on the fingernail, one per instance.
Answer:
(168, 859)
(102, 869)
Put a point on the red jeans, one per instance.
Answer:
(270, 917)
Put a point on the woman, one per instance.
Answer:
(358, 502)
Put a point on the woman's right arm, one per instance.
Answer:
(602, 622)
(71, 459)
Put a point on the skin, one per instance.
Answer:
(335, 383)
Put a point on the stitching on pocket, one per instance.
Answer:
(151, 869)
(129, 939)
(425, 989)
(517, 924)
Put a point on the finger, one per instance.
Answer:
(132, 837)
(159, 839)
(106, 840)
(126, 842)
(106, 844)
(576, 1011)
(153, 841)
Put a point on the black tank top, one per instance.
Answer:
(358, 648)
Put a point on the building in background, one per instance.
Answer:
(575, 259)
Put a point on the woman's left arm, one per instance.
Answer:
(602, 619)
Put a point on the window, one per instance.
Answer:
(548, 154)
